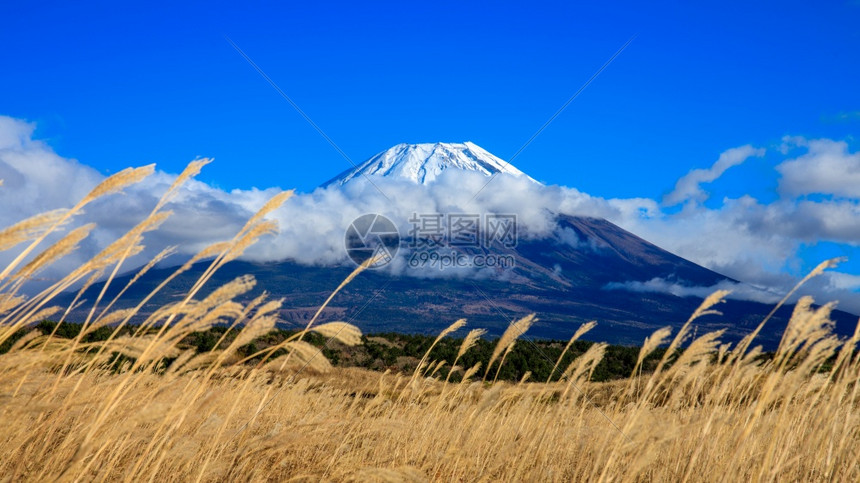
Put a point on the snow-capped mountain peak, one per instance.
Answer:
(422, 163)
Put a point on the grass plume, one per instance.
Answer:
(137, 405)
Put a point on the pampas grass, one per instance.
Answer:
(448, 330)
(343, 332)
(137, 407)
(576, 335)
(512, 333)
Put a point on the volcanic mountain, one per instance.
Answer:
(582, 271)
(423, 163)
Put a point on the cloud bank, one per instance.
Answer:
(744, 238)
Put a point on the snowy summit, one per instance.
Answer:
(422, 163)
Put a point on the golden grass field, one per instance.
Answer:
(75, 411)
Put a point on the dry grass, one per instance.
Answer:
(72, 411)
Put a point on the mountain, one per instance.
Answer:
(565, 286)
(422, 163)
(576, 274)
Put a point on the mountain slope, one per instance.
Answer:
(563, 284)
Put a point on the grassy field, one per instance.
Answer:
(138, 403)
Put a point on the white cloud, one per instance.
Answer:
(831, 287)
(826, 168)
(35, 180)
(688, 187)
(743, 238)
(739, 291)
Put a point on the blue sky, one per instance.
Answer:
(115, 84)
